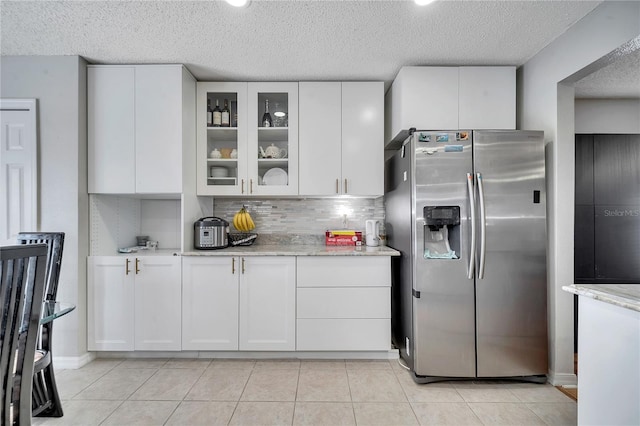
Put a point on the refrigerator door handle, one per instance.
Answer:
(483, 225)
(472, 209)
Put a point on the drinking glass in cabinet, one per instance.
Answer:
(272, 110)
(281, 118)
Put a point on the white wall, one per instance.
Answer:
(546, 104)
(607, 116)
(59, 85)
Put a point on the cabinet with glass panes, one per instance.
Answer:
(273, 138)
(256, 151)
(222, 138)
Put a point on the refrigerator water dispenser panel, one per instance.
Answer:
(442, 232)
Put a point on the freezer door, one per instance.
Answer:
(443, 313)
(511, 288)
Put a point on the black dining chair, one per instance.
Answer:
(22, 273)
(45, 398)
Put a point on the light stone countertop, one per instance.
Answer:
(624, 295)
(296, 250)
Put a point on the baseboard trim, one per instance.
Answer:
(390, 354)
(562, 379)
(73, 362)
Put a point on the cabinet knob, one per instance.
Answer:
(345, 186)
(126, 268)
(337, 186)
(250, 186)
(243, 265)
(233, 265)
(137, 265)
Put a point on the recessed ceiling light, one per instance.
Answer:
(421, 2)
(238, 3)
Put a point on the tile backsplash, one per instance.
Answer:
(304, 217)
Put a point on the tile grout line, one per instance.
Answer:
(186, 393)
(241, 393)
(295, 398)
(100, 377)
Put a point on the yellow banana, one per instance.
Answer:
(250, 223)
(236, 223)
(243, 221)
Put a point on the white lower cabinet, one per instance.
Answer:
(210, 303)
(268, 303)
(245, 303)
(134, 303)
(343, 303)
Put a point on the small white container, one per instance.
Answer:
(215, 171)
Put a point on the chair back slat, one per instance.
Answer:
(22, 279)
(55, 244)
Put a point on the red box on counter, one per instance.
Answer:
(343, 238)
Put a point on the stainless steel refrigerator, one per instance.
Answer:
(467, 211)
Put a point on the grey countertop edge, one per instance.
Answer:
(624, 295)
(296, 250)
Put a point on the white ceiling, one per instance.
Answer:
(289, 40)
(621, 79)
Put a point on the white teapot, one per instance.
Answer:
(215, 154)
(273, 151)
(234, 153)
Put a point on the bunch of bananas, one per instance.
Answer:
(242, 220)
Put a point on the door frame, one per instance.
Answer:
(29, 106)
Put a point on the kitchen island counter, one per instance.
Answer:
(609, 353)
(296, 250)
(624, 295)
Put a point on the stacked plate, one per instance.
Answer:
(275, 176)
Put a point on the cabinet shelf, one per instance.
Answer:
(272, 162)
(273, 134)
(222, 134)
(222, 161)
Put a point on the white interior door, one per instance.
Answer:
(19, 173)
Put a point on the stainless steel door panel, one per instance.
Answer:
(399, 227)
(444, 341)
(511, 318)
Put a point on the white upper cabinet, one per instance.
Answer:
(136, 128)
(362, 138)
(487, 98)
(320, 138)
(221, 163)
(273, 148)
(111, 127)
(424, 98)
(449, 98)
(246, 157)
(341, 138)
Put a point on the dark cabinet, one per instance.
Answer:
(607, 209)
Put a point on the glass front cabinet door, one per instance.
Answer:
(273, 138)
(222, 138)
(247, 138)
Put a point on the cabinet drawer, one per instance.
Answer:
(343, 334)
(347, 271)
(344, 302)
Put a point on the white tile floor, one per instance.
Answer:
(292, 392)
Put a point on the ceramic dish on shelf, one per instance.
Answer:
(219, 172)
(275, 176)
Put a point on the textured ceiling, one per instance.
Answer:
(288, 40)
(621, 79)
